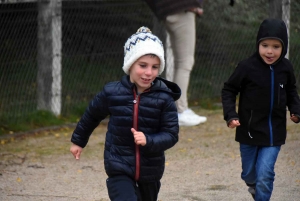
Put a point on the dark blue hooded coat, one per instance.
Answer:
(265, 92)
(155, 114)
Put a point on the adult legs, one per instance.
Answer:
(258, 169)
(182, 30)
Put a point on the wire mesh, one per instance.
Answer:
(93, 35)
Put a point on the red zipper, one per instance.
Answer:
(135, 126)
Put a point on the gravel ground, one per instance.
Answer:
(204, 165)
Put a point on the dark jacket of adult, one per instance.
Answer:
(265, 91)
(154, 111)
(163, 8)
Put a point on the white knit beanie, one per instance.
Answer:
(141, 43)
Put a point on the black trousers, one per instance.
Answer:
(123, 188)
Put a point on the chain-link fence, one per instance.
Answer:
(93, 35)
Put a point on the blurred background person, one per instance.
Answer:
(179, 18)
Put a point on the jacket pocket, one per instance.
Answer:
(281, 100)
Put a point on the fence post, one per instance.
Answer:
(49, 56)
(275, 9)
(286, 15)
(280, 9)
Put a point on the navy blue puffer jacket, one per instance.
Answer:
(155, 115)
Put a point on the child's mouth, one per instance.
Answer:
(146, 80)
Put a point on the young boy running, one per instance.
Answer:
(143, 121)
(266, 85)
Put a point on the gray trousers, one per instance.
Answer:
(182, 30)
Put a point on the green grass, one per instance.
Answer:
(40, 118)
(30, 121)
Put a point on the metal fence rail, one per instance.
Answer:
(93, 35)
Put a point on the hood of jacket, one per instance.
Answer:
(159, 84)
(273, 29)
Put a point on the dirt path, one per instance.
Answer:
(204, 165)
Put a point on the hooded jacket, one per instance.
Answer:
(153, 112)
(265, 92)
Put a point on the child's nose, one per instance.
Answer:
(148, 71)
(269, 50)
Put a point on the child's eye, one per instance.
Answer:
(277, 46)
(143, 65)
(155, 67)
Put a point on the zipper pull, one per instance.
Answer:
(135, 100)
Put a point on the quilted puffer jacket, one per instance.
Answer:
(153, 112)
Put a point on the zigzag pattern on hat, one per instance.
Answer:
(141, 43)
(133, 43)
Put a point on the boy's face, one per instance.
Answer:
(144, 71)
(270, 50)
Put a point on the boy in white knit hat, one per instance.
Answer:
(143, 121)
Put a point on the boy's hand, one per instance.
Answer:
(198, 11)
(234, 123)
(76, 151)
(139, 137)
(294, 118)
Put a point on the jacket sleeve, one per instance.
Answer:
(229, 93)
(293, 101)
(93, 115)
(167, 136)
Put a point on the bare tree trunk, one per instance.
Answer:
(286, 15)
(49, 56)
(280, 9)
(275, 9)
